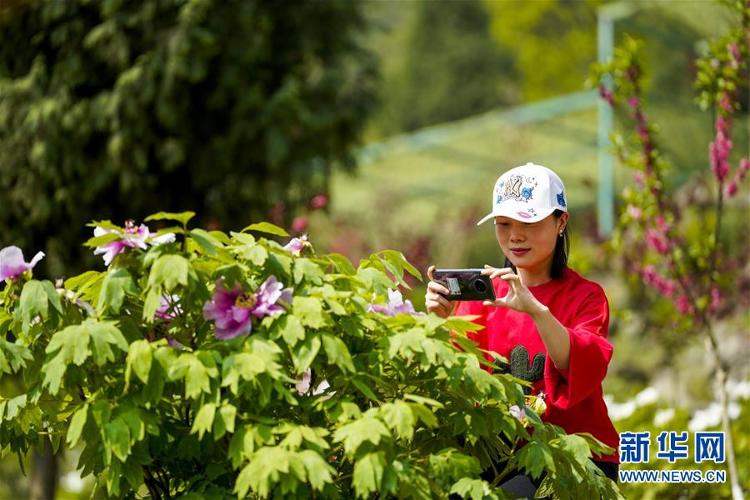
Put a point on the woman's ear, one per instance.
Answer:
(562, 222)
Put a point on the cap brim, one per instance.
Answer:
(519, 215)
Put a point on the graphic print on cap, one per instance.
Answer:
(516, 187)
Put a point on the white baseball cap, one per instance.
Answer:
(528, 193)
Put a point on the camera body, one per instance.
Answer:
(465, 284)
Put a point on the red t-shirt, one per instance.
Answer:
(573, 396)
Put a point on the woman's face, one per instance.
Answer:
(529, 245)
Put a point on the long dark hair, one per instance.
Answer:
(559, 258)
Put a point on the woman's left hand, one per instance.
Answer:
(518, 298)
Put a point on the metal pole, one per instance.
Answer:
(605, 203)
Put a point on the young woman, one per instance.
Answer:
(549, 322)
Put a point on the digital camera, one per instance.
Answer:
(465, 284)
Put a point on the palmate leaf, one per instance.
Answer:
(476, 489)
(366, 429)
(368, 474)
(13, 356)
(266, 227)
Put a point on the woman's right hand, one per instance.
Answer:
(434, 297)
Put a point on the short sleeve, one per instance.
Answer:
(590, 353)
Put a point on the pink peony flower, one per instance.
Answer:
(731, 189)
(131, 237)
(296, 245)
(12, 265)
(318, 202)
(233, 310)
(299, 224)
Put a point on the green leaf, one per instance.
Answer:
(52, 296)
(76, 425)
(103, 239)
(399, 417)
(151, 304)
(116, 284)
(228, 414)
(170, 271)
(319, 472)
(307, 270)
(305, 353)
(256, 254)
(204, 420)
(364, 388)
(71, 344)
(341, 264)
(103, 334)
(13, 356)
(140, 356)
(337, 352)
(476, 489)
(363, 430)
(368, 474)
(181, 217)
(309, 310)
(117, 438)
(424, 414)
(33, 303)
(534, 456)
(266, 227)
(206, 241)
(292, 330)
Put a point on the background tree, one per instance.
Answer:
(118, 109)
(450, 66)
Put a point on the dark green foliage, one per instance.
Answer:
(452, 68)
(228, 107)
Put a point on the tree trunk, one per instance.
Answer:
(43, 472)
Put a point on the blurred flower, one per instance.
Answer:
(299, 224)
(647, 396)
(607, 95)
(318, 202)
(12, 264)
(663, 417)
(656, 241)
(396, 305)
(619, 411)
(174, 343)
(233, 310)
(633, 102)
(296, 245)
(634, 212)
(715, 300)
(517, 413)
(721, 146)
(130, 237)
(639, 178)
(711, 416)
(683, 305)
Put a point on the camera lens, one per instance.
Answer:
(479, 285)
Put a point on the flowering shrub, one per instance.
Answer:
(683, 264)
(216, 365)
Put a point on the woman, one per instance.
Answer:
(550, 322)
